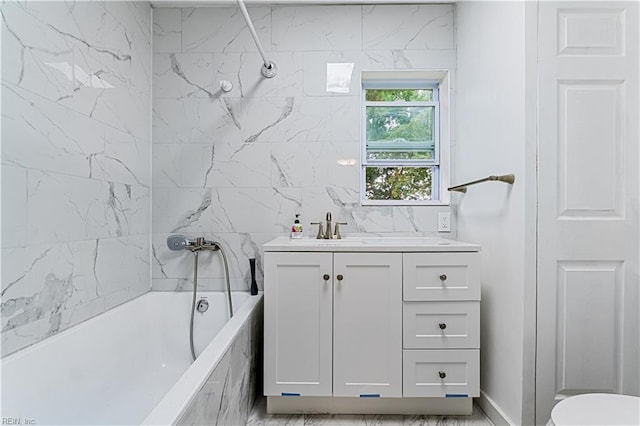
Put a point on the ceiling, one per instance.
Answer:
(191, 3)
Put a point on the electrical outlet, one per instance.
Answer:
(444, 222)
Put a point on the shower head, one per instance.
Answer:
(176, 242)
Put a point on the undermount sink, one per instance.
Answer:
(374, 240)
(370, 243)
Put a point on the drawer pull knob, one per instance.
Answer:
(442, 326)
(339, 277)
(443, 277)
(442, 374)
(326, 277)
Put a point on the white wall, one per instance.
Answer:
(76, 91)
(237, 166)
(491, 140)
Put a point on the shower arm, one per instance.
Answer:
(269, 69)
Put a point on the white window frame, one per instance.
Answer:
(411, 79)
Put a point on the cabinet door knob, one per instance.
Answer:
(326, 277)
(339, 277)
(442, 326)
(442, 374)
(443, 277)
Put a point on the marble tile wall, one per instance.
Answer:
(229, 393)
(237, 166)
(76, 171)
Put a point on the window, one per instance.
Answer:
(401, 153)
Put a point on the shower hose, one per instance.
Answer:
(195, 290)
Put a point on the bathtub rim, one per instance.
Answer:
(176, 401)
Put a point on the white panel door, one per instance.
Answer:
(297, 324)
(588, 253)
(367, 353)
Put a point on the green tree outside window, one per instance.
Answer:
(402, 134)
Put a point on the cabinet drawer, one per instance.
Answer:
(441, 325)
(441, 373)
(441, 276)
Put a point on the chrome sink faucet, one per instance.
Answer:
(327, 233)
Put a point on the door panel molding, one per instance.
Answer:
(585, 339)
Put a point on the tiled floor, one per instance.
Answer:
(259, 417)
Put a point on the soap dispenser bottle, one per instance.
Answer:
(296, 229)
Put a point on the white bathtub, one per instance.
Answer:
(130, 365)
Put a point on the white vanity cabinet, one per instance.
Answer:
(332, 324)
(371, 326)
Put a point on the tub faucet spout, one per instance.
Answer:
(191, 245)
(198, 244)
(210, 245)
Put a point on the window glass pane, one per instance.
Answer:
(395, 95)
(400, 155)
(393, 130)
(398, 183)
(400, 124)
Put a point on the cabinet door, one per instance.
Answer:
(297, 324)
(367, 353)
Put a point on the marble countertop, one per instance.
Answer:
(371, 244)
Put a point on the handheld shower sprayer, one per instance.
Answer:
(179, 242)
(176, 242)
